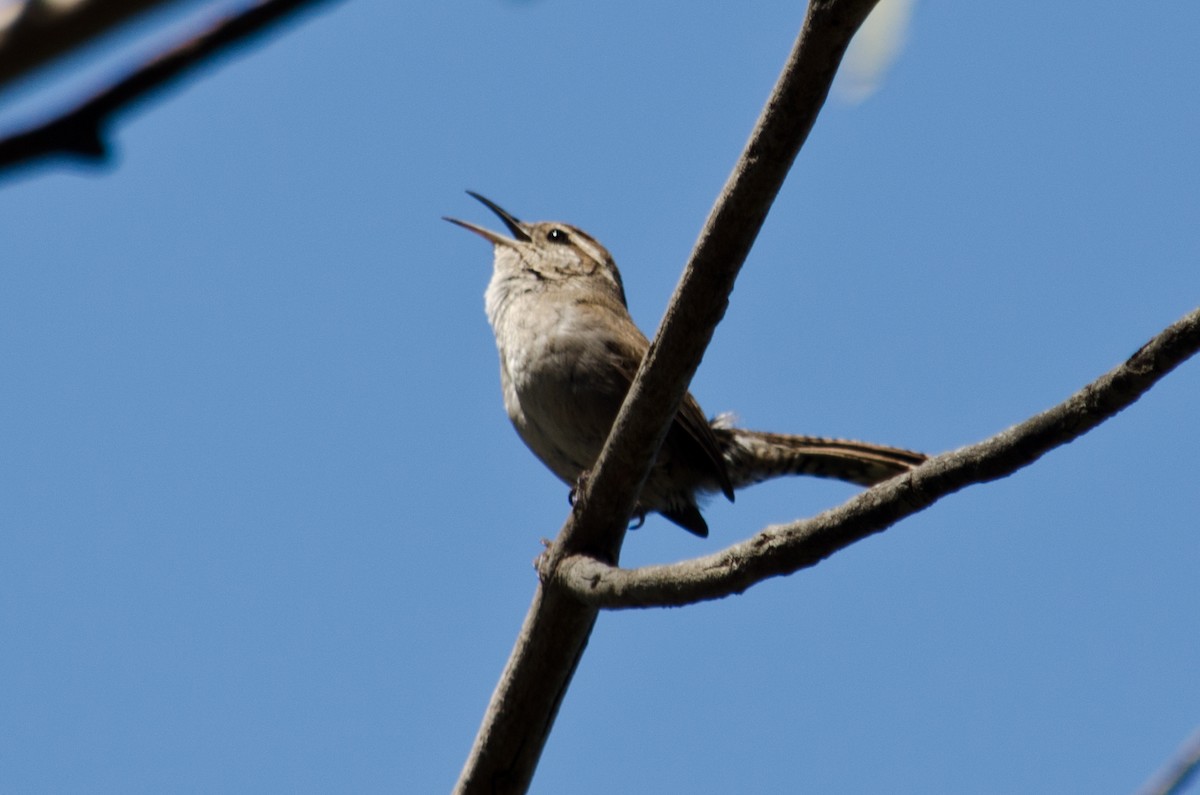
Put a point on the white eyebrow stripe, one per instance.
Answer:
(590, 246)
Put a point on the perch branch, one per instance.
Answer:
(523, 707)
(788, 548)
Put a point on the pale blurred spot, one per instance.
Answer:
(875, 48)
(59, 6)
(10, 10)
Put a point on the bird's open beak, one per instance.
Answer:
(510, 221)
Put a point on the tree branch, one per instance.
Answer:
(606, 500)
(42, 32)
(523, 707)
(788, 548)
(80, 133)
(1181, 769)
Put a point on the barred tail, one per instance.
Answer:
(755, 456)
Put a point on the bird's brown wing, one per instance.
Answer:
(690, 420)
(690, 431)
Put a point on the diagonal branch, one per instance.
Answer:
(539, 670)
(42, 31)
(788, 548)
(1178, 772)
(608, 497)
(81, 131)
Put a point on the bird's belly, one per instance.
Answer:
(562, 400)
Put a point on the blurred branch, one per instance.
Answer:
(42, 31)
(531, 688)
(81, 132)
(1179, 770)
(789, 548)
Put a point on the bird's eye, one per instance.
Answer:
(556, 235)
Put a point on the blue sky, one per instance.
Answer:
(265, 526)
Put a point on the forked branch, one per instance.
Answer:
(788, 548)
(539, 670)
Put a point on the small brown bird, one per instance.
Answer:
(568, 354)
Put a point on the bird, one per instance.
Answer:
(569, 350)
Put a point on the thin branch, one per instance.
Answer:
(42, 32)
(523, 707)
(80, 133)
(786, 549)
(1181, 769)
